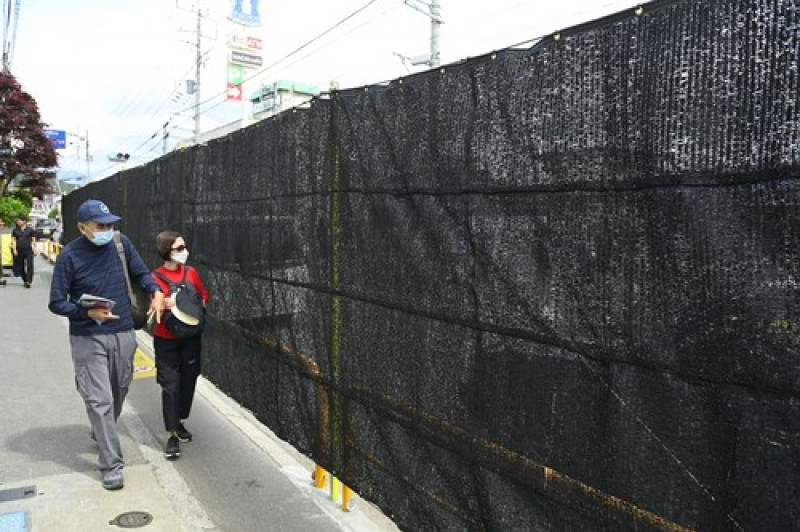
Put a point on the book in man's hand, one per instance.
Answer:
(89, 301)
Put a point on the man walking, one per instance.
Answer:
(101, 336)
(23, 247)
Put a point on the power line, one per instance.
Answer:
(213, 101)
(131, 108)
(287, 56)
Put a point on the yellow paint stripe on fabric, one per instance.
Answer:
(144, 367)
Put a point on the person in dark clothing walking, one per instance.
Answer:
(101, 334)
(2, 273)
(178, 361)
(23, 247)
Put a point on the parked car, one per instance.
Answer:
(44, 228)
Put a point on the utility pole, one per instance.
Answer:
(78, 138)
(193, 87)
(10, 21)
(198, 60)
(164, 136)
(432, 10)
(88, 160)
(436, 22)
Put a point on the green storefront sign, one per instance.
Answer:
(235, 74)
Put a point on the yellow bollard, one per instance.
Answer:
(319, 477)
(334, 488)
(347, 494)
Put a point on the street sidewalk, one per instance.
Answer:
(48, 476)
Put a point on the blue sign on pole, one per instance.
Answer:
(58, 137)
(251, 18)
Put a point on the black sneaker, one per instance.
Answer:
(173, 450)
(183, 434)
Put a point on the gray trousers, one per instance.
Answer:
(103, 372)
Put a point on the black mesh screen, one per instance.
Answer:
(551, 289)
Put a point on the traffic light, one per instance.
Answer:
(119, 157)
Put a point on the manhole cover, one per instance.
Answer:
(132, 520)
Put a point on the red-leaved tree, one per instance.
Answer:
(25, 150)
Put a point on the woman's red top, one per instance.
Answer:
(175, 276)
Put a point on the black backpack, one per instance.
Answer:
(175, 326)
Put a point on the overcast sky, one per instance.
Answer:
(116, 69)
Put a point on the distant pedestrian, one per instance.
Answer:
(103, 342)
(2, 273)
(178, 361)
(56, 237)
(23, 247)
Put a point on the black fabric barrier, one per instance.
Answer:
(545, 289)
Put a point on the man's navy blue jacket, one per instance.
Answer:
(84, 268)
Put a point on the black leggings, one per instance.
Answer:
(178, 364)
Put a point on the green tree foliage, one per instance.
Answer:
(10, 207)
(25, 150)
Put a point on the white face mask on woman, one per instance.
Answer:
(179, 256)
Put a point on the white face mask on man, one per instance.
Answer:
(97, 237)
(179, 256)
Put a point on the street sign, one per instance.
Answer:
(252, 18)
(248, 60)
(58, 138)
(240, 41)
(234, 92)
(235, 74)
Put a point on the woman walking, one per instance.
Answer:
(178, 361)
